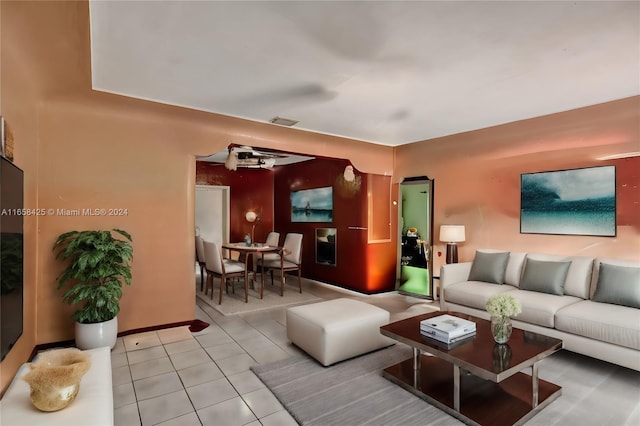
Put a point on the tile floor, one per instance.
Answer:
(175, 377)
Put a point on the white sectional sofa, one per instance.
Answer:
(592, 304)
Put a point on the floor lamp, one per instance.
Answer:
(452, 234)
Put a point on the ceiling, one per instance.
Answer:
(384, 72)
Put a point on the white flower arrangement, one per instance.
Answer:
(503, 305)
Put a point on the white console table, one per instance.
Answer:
(92, 407)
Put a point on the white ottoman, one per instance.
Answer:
(337, 329)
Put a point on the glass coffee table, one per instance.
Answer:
(477, 381)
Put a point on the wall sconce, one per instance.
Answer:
(348, 174)
(348, 183)
(452, 234)
(254, 218)
(231, 163)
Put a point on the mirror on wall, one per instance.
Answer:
(415, 223)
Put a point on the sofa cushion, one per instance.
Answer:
(619, 285)
(540, 308)
(596, 269)
(473, 293)
(513, 273)
(545, 277)
(579, 274)
(615, 324)
(489, 267)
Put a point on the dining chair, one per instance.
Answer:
(289, 258)
(200, 259)
(273, 239)
(224, 269)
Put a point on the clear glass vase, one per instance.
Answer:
(501, 328)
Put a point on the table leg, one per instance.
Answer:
(246, 286)
(534, 383)
(262, 275)
(456, 388)
(253, 273)
(416, 368)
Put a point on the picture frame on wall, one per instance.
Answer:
(312, 205)
(326, 246)
(569, 202)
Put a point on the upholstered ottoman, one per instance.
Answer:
(337, 329)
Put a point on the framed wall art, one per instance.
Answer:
(569, 202)
(312, 205)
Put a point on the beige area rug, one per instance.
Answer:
(233, 304)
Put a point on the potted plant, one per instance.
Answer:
(98, 264)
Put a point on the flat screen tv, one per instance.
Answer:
(11, 254)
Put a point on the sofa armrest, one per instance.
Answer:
(452, 273)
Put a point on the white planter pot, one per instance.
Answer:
(91, 336)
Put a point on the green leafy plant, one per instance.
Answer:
(98, 264)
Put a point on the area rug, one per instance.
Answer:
(352, 392)
(233, 303)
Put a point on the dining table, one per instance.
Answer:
(250, 250)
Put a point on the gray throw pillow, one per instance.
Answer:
(619, 285)
(489, 267)
(545, 277)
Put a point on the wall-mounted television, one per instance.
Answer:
(11, 254)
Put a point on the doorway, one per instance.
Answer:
(415, 223)
(212, 213)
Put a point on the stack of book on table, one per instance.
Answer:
(448, 329)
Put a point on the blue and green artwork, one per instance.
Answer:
(312, 205)
(569, 202)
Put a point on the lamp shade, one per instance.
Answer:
(251, 216)
(348, 174)
(452, 233)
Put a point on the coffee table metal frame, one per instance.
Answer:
(473, 369)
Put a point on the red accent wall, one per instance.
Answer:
(250, 189)
(358, 266)
(368, 268)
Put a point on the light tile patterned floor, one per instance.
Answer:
(175, 377)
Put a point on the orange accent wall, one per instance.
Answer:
(477, 177)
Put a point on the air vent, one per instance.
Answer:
(284, 121)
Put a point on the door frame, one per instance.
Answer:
(226, 208)
(429, 241)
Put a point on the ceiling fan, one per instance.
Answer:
(246, 156)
